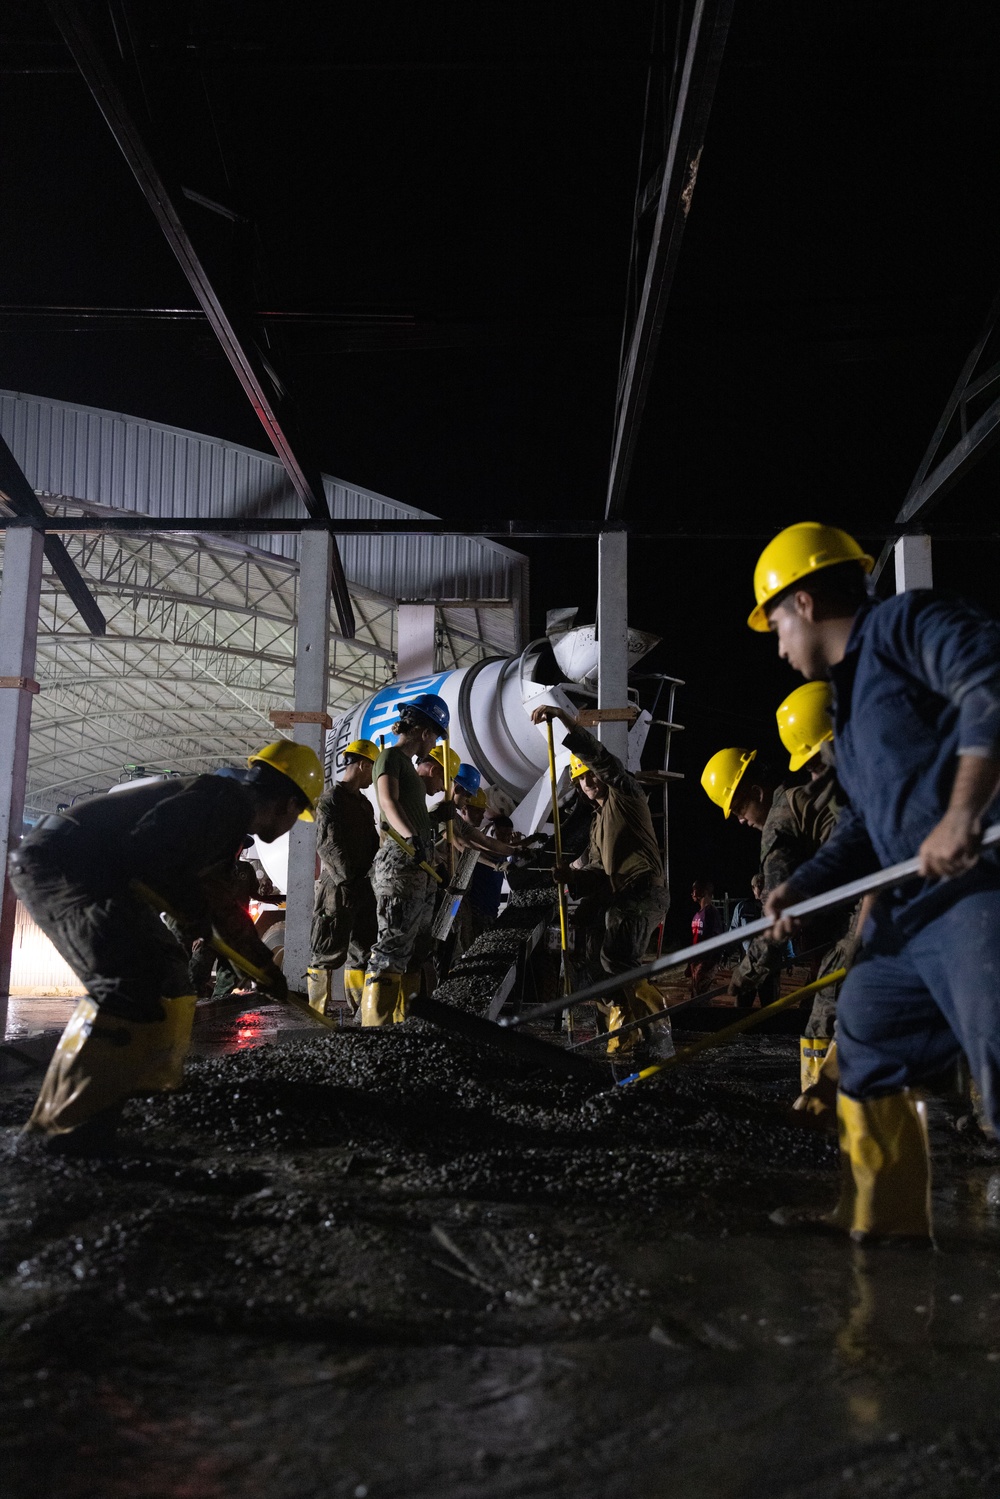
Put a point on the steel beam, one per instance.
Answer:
(273, 409)
(312, 650)
(696, 90)
(914, 567)
(416, 641)
(612, 637)
(22, 499)
(22, 578)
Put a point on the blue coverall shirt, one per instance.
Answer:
(918, 686)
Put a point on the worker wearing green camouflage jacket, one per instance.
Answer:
(621, 872)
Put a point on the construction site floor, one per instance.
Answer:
(384, 1265)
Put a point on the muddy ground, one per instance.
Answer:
(384, 1264)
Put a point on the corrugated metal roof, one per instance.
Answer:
(201, 629)
(107, 458)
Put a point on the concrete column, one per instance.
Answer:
(913, 563)
(312, 670)
(416, 626)
(612, 636)
(22, 584)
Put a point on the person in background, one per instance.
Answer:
(344, 921)
(749, 908)
(705, 923)
(405, 890)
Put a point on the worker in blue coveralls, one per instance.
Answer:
(916, 684)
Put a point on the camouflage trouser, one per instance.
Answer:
(629, 922)
(823, 1016)
(404, 899)
(344, 923)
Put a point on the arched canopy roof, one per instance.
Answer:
(200, 644)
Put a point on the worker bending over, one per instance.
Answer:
(344, 922)
(916, 684)
(96, 878)
(403, 881)
(621, 868)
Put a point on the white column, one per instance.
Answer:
(612, 636)
(913, 563)
(312, 670)
(415, 641)
(22, 584)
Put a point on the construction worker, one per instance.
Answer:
(705, 923)
(432, 769)
(401, 875)
(96, 878)
(344, 922)
(758, 798)
(916, 683)
(621, 869)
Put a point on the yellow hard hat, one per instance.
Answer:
(479, 800)
(362, 747)
(300, 764)
(723, 774)
(577, 767)
(804, 721)
(795, 553)
(454, 761)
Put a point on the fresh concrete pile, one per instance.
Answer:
(483, 967)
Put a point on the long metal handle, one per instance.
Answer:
(843, 895)
(449, 796)
(563, 936)
(409, 849)
(730, 1032)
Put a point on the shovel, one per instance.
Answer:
(843, 895)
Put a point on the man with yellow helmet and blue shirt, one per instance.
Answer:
(916, 686)
(97, 876)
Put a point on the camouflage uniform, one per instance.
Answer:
(801, 819)
(622, 882)
(344, 921)
(404, 897)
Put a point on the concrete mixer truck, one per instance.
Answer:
(491, 704)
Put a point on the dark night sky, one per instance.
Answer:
(472, 168)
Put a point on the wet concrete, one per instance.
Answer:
(383, 1264)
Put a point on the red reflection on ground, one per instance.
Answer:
(250, 1028)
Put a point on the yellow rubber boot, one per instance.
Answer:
(318, 988)
(812, 1052)
(102, 1059)
(164, 1045)
(354, 987)
(887, 1175)
(649, 995)
(379, 998)
(643, 999)
(409, 988)
(819, 1100)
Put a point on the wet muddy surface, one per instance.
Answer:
(385, 1264)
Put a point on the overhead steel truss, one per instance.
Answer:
(268, 396)
(199, 649)
(972, 432)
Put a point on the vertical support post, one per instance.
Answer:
(312, 671)
(416, 627)
(612, 636)
(914, 568)
(19, 596)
